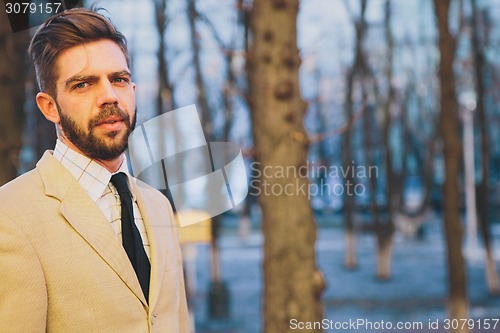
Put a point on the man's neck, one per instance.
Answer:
(112, 165)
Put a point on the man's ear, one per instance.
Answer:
(48, 107)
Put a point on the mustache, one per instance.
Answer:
(109, 111)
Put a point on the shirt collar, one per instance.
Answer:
(93, 177)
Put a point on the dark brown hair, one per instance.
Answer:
(65, 30)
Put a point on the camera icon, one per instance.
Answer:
(171, 151)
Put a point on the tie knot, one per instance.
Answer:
(119, 180)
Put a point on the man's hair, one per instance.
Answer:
(65, 30)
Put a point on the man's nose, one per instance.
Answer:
(107, 94)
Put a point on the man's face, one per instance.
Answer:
(95, 99)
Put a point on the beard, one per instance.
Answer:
(89, 143)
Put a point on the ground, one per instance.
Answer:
(416, 292)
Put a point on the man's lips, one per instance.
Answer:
(113, 123)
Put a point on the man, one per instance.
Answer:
(85, 247)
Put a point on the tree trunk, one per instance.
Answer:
(347, 159)
(12, 95)
(449, 126)
(483, 191)
(405, 150)
(350, 260)
(292, 282)
(165, 99)
(428, 156)
(199, 82)
(385, 232)
(208, 129)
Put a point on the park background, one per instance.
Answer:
(405, 88)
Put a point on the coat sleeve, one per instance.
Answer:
(23, 294)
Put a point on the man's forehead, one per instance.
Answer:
(99, 58)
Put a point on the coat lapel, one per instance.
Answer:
(158, 224)
(86, 218)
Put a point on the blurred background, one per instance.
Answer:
(371, 134)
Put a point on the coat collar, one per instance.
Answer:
(86, 218)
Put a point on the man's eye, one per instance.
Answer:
(81, 85)
(120, 80)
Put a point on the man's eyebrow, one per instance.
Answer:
(93, 78)
(120, 73)
(79, 78)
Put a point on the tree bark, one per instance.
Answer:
(385, 232)
(12, 95)
(165, 98)
(405, 149)
(292, 282)
(449, 127)
(202, 101)
(483, 191)
(208, 128)
(357, 67)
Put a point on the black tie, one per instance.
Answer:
(131, 238)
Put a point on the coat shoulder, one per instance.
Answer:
(21, 188)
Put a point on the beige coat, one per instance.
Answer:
(63, 268)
